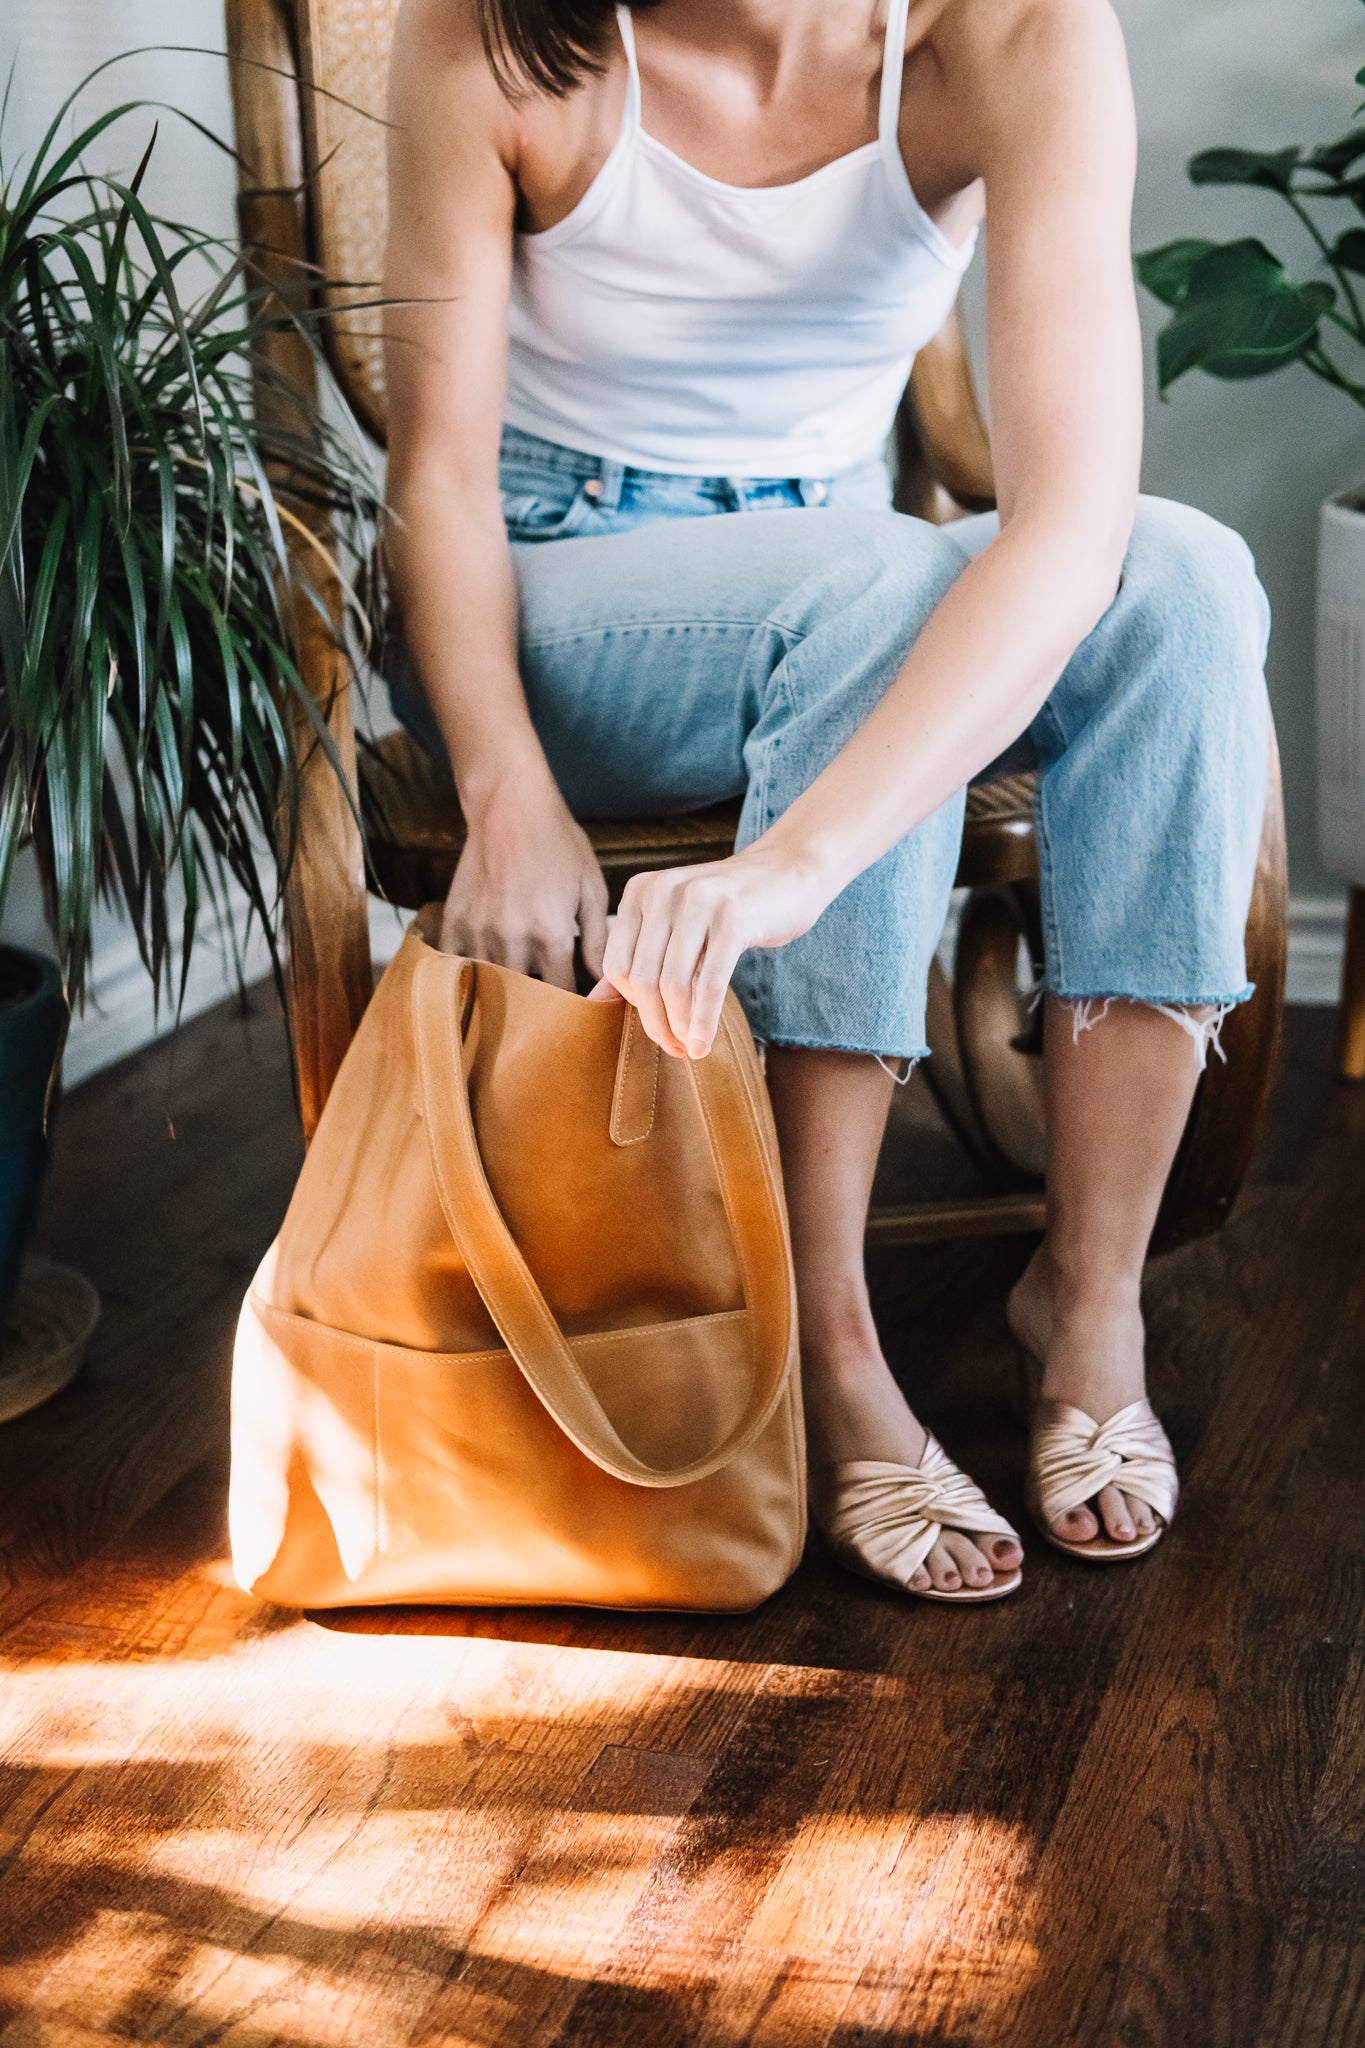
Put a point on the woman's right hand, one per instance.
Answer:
(527, 885)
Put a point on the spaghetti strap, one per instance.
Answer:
(627, 28)
(631, 118)
(893, 67)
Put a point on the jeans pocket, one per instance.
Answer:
(546, 515)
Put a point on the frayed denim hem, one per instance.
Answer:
(906, 1061)
(1204, 1034)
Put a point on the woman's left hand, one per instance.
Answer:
(678, 935)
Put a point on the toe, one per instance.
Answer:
(1143, 1519)
(1118, 1522)
(1006, 1553)
(943, 1569)
(920, 1581)
(974, 1566)
(1077, 1525)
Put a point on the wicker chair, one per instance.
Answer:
(308, 86)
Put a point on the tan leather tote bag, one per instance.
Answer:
(528, 1332)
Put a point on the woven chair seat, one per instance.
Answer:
(415, 833)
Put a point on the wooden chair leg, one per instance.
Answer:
(1351, 1017)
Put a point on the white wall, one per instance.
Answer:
(1260, 74)
(57, 42)
(1255, 72)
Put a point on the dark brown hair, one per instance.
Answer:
(547, 45)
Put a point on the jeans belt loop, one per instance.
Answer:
(813, 490)
(605, 488)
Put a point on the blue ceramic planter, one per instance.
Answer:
(32, 1021)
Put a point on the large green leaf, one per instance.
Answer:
(1166, 271)
(1242, 336)
(1349, 251)
(1272, 168)
(1334, 158)
(1236, 270)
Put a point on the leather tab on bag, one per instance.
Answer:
(637, 1083)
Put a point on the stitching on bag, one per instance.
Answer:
(378, 1466)
(750, 1292)
(789, 1402)
(377, 1345)
(755, 1109)
(623, 1069)
(720, 1315)
(718, 1157)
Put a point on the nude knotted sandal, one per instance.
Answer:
(882, 1520)
(1072, 1458)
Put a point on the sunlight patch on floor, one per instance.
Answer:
(324, 1840)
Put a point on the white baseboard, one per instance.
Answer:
(120, 1016)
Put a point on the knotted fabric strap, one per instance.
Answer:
(442, 986)
(1075, 1456)
(894, 1514)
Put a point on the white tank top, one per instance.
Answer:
(676, 323)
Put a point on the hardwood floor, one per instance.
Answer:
(1123, 1810)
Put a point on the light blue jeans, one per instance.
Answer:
(688, 639)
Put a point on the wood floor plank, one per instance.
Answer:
(1124, 1810)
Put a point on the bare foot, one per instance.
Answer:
(854, 1409)
(1090, 1340)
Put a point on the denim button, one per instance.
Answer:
(593, 487)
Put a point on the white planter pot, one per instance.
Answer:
(1341, 688)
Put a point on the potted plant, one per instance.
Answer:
(158, 535)
(1236, 313)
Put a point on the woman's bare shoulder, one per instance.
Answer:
(1013, 41)
(439, 56)
(443, 94)
(440, 32)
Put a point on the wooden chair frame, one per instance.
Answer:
(1351, 1026)
(984, 1074)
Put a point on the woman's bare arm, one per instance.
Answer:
(527, 879)
(1044, 87)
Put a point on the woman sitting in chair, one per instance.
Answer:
(664, 269)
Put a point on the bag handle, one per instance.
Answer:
(505, 1282)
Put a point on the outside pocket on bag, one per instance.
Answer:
(418, 1475)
